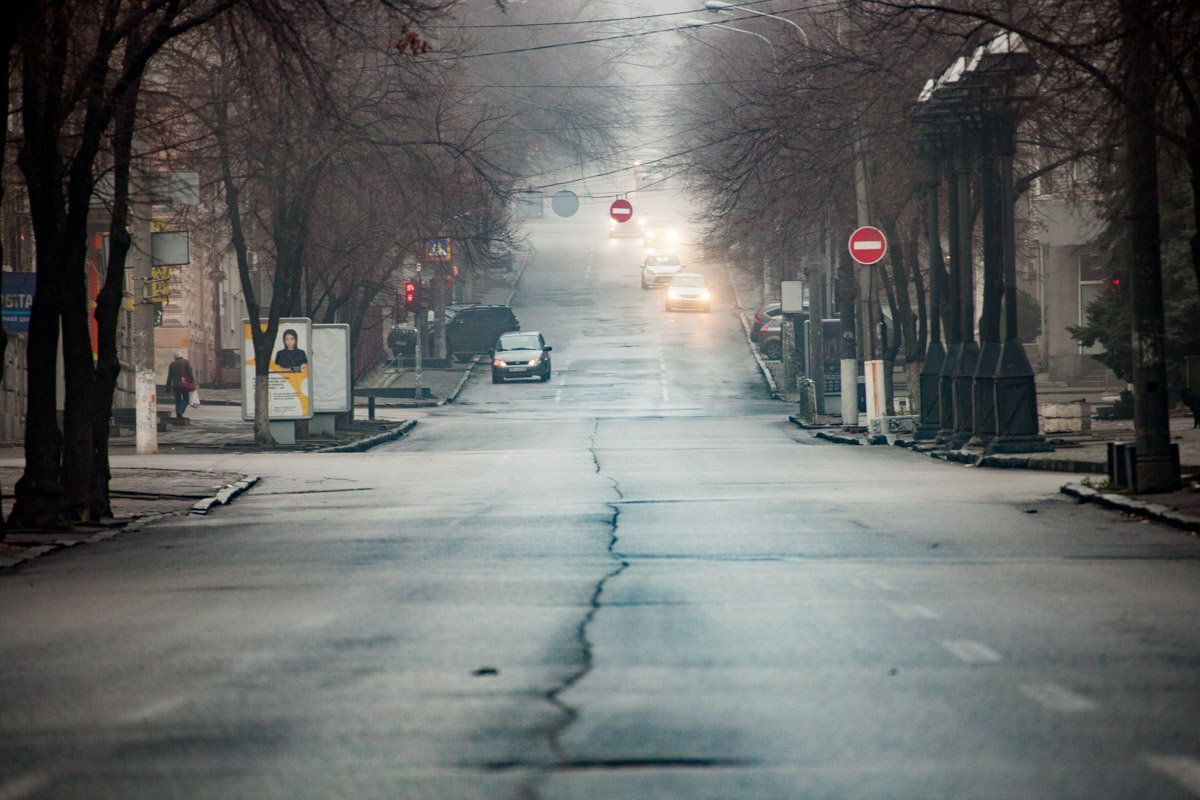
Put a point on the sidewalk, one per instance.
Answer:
(443, 383)
(746, 299)
(1083, 453)
(138, 495)
(217, 423)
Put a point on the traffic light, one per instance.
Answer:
(412, 295)
(1114, 284)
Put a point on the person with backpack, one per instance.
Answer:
(182, 381)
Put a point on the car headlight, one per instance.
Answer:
(673, 294)
(499, 363)
(533, 362)
(673, 236)
(706, 294)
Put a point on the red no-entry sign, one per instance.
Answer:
(621, 210)
(867, 245)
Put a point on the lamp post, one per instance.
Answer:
(930, 411)
(699, 23)
(720, 7)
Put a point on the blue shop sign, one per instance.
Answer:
(18, 290)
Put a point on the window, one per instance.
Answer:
(1093, 279)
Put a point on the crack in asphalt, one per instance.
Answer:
(568, 714)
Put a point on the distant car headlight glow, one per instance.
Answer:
(499, 363)
(673, 293)
(706, 294)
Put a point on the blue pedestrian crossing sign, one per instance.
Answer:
(438, 249)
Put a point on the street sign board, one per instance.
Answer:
(158, 290)
(868, 245)
(170, 248)
(621, 210)
(530, 204)
(792, 296)
(19, 289)
(565, 203)
(438, 249)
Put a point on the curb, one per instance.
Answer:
(525, 261)
(763, 368)
(837, 438)
(225, 496)
(371, 441)
(1155, 511)
(808, 426)
(965, 457)
(461, 383)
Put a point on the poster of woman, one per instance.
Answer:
(289, 382)
(292, 357)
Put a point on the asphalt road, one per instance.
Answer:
(634, 581)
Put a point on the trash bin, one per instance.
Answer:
(402, 341)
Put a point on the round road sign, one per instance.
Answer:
(867, 245)
(621, 210)
(565, 203)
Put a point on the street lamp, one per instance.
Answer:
(699, 23)
(720, 7)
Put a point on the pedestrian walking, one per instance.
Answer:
(182, 381)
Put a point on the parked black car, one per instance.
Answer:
(770, 338)
(474, 329)
(762, 314)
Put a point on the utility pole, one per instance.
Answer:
(217, 275)
(1157, 465)
(145, 391)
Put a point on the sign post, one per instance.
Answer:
(621, 210)
(868, 246)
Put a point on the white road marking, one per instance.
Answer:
(971, 652)
(882, 584)
(314, 621)
(158, 708)
(558, 396)
(913, 611)
(23, 787)
(1057, 698)
(1184, 770)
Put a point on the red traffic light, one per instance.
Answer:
(412, 295)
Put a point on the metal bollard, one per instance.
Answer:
(370, 406)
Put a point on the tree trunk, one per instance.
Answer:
(1193, 159)
(108, 303)
(38, 494)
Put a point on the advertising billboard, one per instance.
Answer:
(289, 387)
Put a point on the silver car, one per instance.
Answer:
(521, 355)
(687, 290)
(658, 268)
